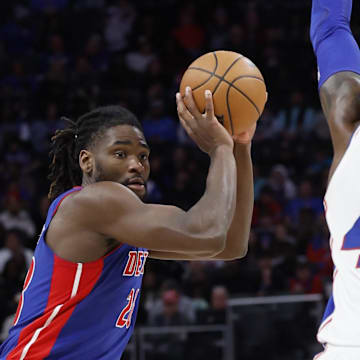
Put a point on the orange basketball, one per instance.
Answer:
(238, 88)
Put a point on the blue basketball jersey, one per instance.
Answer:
(76, 310)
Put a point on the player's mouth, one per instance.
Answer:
(136, 184)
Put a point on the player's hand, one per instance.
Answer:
(245, 137)
(204, 129)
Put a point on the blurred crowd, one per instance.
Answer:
(65, 57)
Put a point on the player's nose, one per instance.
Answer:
(135, 165)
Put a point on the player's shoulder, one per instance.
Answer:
(103, 188)
(96, 200)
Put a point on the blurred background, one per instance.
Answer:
(65, 57)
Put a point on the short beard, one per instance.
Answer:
(99, 173)
(99, 176)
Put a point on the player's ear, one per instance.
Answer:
(86, 161)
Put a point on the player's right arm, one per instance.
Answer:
(338, 59)
(114, 211)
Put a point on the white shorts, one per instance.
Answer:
(332, 352)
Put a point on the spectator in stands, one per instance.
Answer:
(170, 345)
(176, 300)
(280, 183)
(196, 283)
(15, 153)
(15, 216)
(305, 281)
(216, 313)
(43, 128)
(267, 205)
(305, 200)
(9, 320)
(140, 59)
(270, 280)
(189, 34)
(158, 126)
(13, 248)
(171, 314)
(119, 24)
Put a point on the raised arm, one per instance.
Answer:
(338, 59)
(237, 236)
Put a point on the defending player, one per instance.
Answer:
(338, 59)
(81, 293)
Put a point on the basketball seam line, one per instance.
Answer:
(227, 81)
(244, 94)
(227, 70)
(231, 84)
(211, 74)
(229, 110)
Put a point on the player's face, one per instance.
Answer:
(122, 155)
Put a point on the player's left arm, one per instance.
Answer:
(238, 234)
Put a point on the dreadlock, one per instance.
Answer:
(65, 171)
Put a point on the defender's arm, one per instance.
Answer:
(338, 59)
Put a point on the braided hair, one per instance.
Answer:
(65, 171)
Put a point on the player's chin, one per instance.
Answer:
(139, 190)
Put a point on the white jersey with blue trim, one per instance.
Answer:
(341, 325)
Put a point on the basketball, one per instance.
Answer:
(237, 86)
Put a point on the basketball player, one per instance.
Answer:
(81, 293)
(338, 60)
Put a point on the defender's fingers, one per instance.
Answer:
(209, 106)
(190, 103)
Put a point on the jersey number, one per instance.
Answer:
(124, 318)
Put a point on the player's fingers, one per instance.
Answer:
(190, 103)
(245, 136)
(184, 116)
(209, 106)
(182, 109)
(190, 123)
(187, 129)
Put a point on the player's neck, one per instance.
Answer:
(87, 180)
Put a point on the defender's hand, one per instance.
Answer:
(204, 129)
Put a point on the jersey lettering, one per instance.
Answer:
(145, 255)
(131, 264)
(125, 316)
(136, 263)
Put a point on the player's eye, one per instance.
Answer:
(120, 154)
(144, 157)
